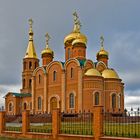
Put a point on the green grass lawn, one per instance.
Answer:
(110, 129)
(124, 129)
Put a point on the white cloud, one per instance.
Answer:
(132, 99)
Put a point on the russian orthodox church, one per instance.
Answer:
(74, 85)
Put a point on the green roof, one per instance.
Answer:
(22, 94)
(63, 63)
(82, 62)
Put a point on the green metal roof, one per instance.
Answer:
(63, 63)
(21, 94)
(82, 62)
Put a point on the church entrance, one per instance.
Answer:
(53, 103)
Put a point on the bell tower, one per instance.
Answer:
(30, 62)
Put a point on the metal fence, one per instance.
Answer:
(13, 122)
(77, 123)
(41, 123)
(124, 124)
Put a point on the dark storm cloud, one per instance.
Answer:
(125, 57)
(117, 20)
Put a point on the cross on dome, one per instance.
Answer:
(77, 23)
(30, 22)
(102, 40)
(47, 38)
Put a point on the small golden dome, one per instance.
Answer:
(102, 52)
(93, 72)
(110, 73)
(79, 41)
(47, 50)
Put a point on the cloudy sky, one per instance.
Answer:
(117, 20)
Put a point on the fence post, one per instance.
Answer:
(25, 122)
(2, 121)
(55, 122)
(98, 122)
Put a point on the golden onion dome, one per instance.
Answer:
(110, 73)
(102, 52)
(74, 35)
(76, 41)
(47, 50)
(93, 72)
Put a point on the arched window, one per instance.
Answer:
(24, 67)
(71, 73)
(39, 78)
(113, 100)
(35, 65)
(71, 100)
(30, 65)
(119, 101)
(68, 53)
(30, 83)
(24, 106)
(23, 83)
(39, 103)
(10, 107)
(96, 98)
(54, 76)
(30, 105)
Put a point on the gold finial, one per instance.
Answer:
(77, 23)
(47, 39)
(30, 22)
(30, 30)
(102, 41)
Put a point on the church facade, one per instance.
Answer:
(74, 85)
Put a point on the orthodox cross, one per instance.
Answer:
(76, 22)
(102, 41)
(30, 22)
(47, 38)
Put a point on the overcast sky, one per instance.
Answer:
(117, 20)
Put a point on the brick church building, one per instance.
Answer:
(73, 85)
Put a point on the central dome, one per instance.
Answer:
(75, 35)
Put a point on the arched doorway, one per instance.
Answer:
(53, 103)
